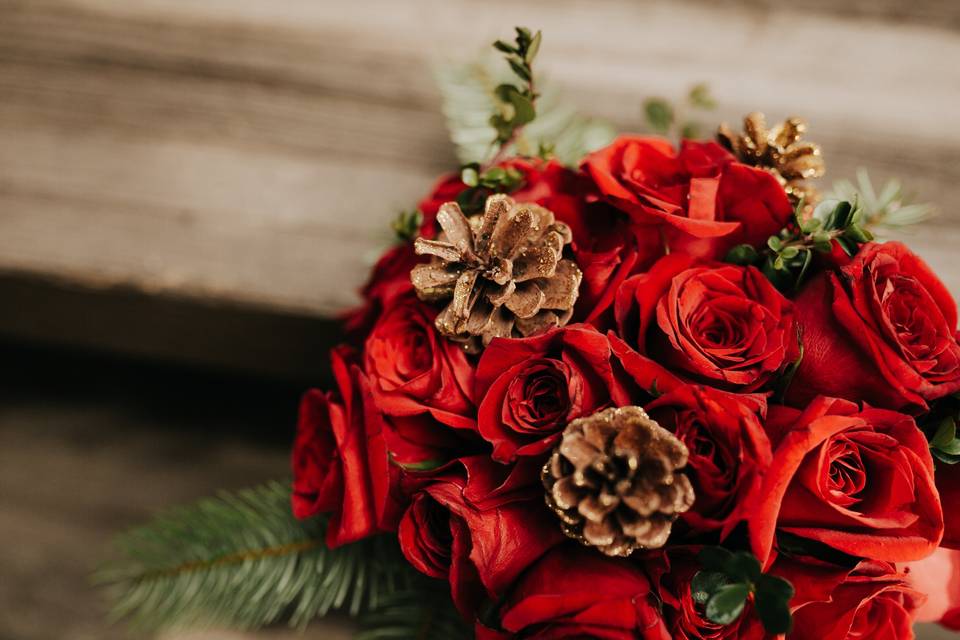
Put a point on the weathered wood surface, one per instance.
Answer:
(89, 447)
(249, 154)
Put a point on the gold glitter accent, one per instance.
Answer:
(616, 481)
(781, 151)
(503, 272)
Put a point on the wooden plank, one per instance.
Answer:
(248, 155)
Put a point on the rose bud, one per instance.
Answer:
(881, 331)
(724, 325)
(704, 200)
(860, 481)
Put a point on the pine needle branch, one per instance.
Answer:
(887, 207)
(242, 560)
(422, 612)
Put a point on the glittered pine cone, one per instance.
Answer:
(616, 481)
(780, 151)
(503, 272)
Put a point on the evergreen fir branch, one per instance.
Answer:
(469, 97)
(242, 560)
(886, 207)
(421, 612)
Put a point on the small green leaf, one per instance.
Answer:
(810, 225)
(533, 49)
(469, 176)
(700, 97)
(704, 584)
(946, 433)
(423, 465)
(406, 225)
(945, 458)
(500, 45)
(519, 69)
(714, 558)
(659, 114)
(858, 234)
(775, 616)
(789, 253)
(775, 587)
(774, 243)
(744, 566)
(742, 254)
(690, 130)
(727, 603)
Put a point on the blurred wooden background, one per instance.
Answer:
(206, 183)
(242, 158)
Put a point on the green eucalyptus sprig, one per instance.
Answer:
(516, 100)
(787, 256)
(483, 182)
(729, 578)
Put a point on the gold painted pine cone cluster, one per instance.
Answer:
(616, 482)
(780, 151)
(503, 272)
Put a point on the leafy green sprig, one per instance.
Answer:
(516, 100)
(666, 118)
(483, 182)
(787, 256)
(406, 226)
(726, 582)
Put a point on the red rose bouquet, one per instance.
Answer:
(665, 392)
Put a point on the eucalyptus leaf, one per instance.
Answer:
(659, 114)
(727, 603)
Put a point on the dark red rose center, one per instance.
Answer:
(539, 398)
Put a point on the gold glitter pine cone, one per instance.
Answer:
(503, 272)
(780, 150)
(616, 481)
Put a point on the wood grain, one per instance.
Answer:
(250, 154)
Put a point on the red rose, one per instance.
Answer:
(341, 462)
(389, 280)
(729, 451)
(479, 525)
(531, 388)
(575, 592)
(414, 370)
(880, 331)
(722, 325)
(710, 200)
(872, 601)
(937, 577)
(858, 481)
(672, 572)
